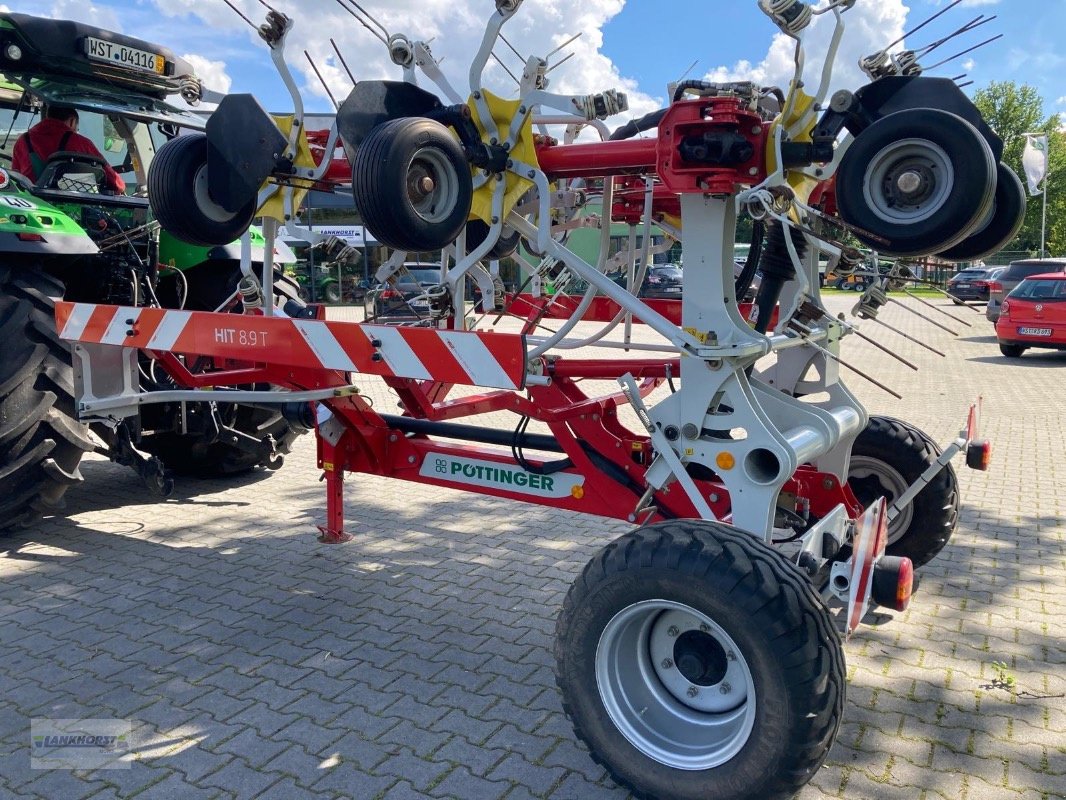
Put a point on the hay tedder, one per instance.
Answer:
(697, 655)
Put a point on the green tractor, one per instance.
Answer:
(65, 235)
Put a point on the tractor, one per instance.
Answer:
(65, 235)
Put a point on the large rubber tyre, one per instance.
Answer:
(331, 292)
(888, 456)
(41, 442)
(184, 455)
(956, 174)
(1007, 216)
(412, 185)
(504, 246)
(767, 665)
(1012, 350)
(178, 193)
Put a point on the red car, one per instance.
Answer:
(1034, 315)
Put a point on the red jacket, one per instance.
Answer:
(46, 136)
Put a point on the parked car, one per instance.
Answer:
(662, 281)
(973, 283)
(1034, 315)
(405, 298)
(1015, 274)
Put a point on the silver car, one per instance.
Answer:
(1015, 274)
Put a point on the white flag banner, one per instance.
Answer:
(1034, 160)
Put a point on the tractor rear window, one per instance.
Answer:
(1045, 290)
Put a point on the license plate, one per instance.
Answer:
(962, 286)
(673, 289)
(1034, 331)
(120, 55)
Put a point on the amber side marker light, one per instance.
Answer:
(979, 454)
(893, 582)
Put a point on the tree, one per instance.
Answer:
(1012, 111)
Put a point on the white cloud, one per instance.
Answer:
(87, 12)
(212, 74)
(456, 28)
(870, 26)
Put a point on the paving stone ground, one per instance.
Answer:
(415, 661)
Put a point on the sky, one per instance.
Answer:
(637, 46)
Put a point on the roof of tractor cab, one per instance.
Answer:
(62, 47)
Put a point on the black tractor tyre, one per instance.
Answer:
(331, 292)
(504, 246)
(1006, 220)
(412, 185)
(1012, 350)
(41, 441)
(729, 604)
(180, 200)
(955, 174)
(887, 457)
(187, 456)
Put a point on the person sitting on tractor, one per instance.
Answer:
(57, 132)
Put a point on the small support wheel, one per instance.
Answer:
(916, 182)
(691, 656)
(887, 457)
(1003, 224)
(180, 200)
(1012, 350)
(412, 185)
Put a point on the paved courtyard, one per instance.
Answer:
(415, 661)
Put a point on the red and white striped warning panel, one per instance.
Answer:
(496, 360)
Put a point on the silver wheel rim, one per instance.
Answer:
(432, 185)
(908, 181)
(892, 484)
(694, 715)
(208, 207)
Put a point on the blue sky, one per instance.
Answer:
(639, 45)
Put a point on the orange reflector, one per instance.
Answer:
(905, 585)
(893, 582)
(725, 460)
(577, 492)
(979, 455)
(30, 237)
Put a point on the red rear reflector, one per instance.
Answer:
(979, 455)
(893, 582)
(30, 237)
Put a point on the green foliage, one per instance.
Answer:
(1003, 678)
(1013, 110)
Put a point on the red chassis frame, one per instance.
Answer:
(605, 475)
(604, 468)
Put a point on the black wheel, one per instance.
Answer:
(41, 441)
(412, 185)
(920, 179)
(188, 455)
(476, 231)
(1012, 350)
(1003, 223)
(178, 193)
(888, 456)
(696, 662)
(332, 292)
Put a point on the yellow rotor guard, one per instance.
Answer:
(275, 206)
(801, 184)
(503, 111)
